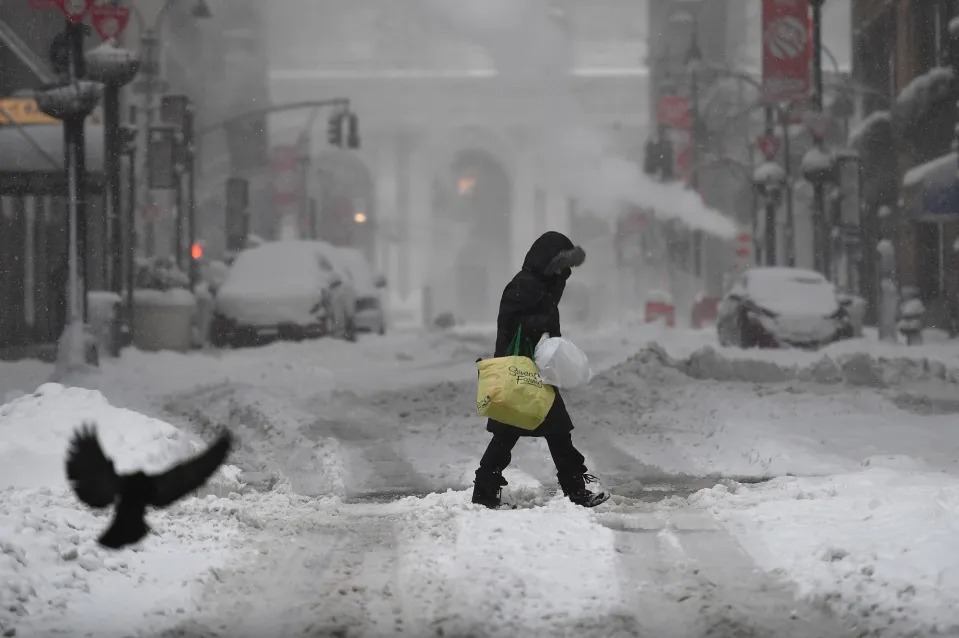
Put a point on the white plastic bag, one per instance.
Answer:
(561, 363)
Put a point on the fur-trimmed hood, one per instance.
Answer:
(553, 254)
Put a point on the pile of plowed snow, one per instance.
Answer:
(856, 369)
(275, 443)
(50, 563)
(35, 431)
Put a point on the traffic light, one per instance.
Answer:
(196, 251)
(161, 158)
(353, 131)
(334, 130)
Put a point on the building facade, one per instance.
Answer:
(474, 125)
(905, 66)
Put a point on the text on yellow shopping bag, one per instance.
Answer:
(510, 391)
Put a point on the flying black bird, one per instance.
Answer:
(97, 484)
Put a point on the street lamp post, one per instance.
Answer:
(128, 136)
(72, 101)
(150, 43)
(114, 67)
(769, 179)
(820, 230)
(694, 59)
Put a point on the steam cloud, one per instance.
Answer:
(528, 46)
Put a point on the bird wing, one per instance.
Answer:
(189, 475)
(89, 471)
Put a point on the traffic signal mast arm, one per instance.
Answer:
(342, 103)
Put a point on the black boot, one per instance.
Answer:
(574, 487)
(487, 488)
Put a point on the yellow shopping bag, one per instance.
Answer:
(510, 390)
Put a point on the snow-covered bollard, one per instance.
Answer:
(911, 316)
(888, 295)
(660, 305)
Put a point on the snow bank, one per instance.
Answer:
(879, 543)
(852, 368)
(35, 431)
(660, 421)
(50, 564)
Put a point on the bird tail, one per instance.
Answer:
(128, 526)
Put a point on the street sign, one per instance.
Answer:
(109, 20)
(161, 166)
(74, 10)
(769, 145)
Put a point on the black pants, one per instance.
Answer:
(568, 460)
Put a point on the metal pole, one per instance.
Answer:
(149, 44)
(130, 243)
(71, 351)
(694, 176)
(789, 231)
(111, 166)
(770, 238)
(191, 219)
(820, 223)
(191, 196)
(303, 151)
(178, 220)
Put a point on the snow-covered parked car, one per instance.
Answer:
(285, 290)
(369, 315)
(777, 307)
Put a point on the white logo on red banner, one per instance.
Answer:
(786, 49)
(109, 20)
(74, 10)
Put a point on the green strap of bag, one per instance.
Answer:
(516, 344)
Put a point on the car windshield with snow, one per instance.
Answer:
(774, 307)
(277, 290)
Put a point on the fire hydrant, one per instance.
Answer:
(911, 313)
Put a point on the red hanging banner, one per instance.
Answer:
(74, 10)
(787, 50)
(109, 20)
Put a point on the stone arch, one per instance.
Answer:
(472, 203)
(345, 212)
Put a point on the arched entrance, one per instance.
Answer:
(472, 205)
(345, 206)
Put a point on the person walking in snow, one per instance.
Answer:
(530, 301)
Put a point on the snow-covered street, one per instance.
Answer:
(755, 494)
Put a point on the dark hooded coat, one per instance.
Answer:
(531, 302)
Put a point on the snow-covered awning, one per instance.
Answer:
(933, 188)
